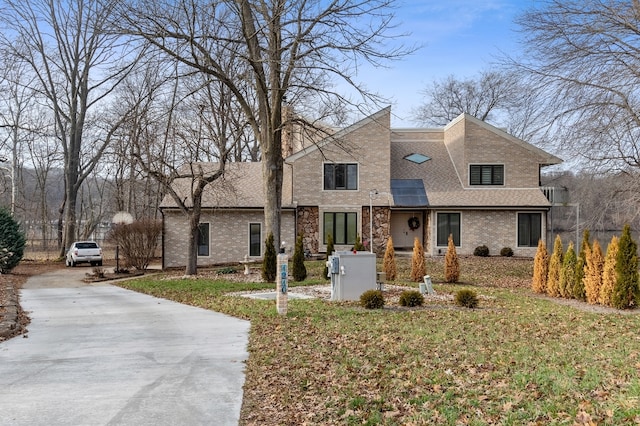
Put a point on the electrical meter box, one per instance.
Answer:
(352, 273)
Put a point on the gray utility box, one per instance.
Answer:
(352, 273)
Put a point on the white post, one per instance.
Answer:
(282, 277)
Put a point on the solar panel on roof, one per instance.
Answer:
(409, 193)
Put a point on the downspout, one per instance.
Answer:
(162, 238)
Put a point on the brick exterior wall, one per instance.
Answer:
(494, 228)
(228, 239)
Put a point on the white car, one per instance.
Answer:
(84, 252)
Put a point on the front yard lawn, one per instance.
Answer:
(518, 359)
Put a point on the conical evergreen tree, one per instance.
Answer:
(325, 272)
(593, 273)
(540, 268)
(358, 246)
(451, 263)
(418, 266)
(609, 273)
(627, 288)
(578, 288)
(389, 261)
(299, 270)
(568, 272)
(555, 266)
(12, 242)
(270, 260)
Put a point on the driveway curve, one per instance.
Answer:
(102, 355)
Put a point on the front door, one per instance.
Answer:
(405, 226)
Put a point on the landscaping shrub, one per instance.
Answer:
(481, 251)
(467, 298)
(578, 289)
(555, 266)
(358, 246)
(389, 261)
(12, 242)
(372, 299)
(593, 273)
(568, 273)
(609, 273)
(270, 261)
(136, 241)
(626, 290)
(299, 272)
(451, 263)
(325, 271)
(411, 298)
(418, 265)
(540, 268)
(506, 252)
(227, 270)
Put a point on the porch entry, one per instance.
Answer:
(405, 226)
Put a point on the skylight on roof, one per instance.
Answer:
(417, 158)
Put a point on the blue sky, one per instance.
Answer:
(459, 37)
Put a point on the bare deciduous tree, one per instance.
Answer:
(584, 57)
(77, 62)
(285, 48)
(496, 96)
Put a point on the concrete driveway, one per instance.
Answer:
(102, 355)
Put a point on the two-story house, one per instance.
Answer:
(468, 179)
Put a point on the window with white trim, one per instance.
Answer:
(340, 176)
(203, 239)
(529, 229)
(448, 224)
(486, 174)
(342, 226)
(255, 239)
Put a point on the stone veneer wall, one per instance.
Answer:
(308, 224)
(381, 228)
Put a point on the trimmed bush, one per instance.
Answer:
(270, 261)
(418, 265)
(372, 299)
(593, 273)
(540, 269)
(568, 273)
(411, 298)
(609, 273)
(299, 272)
(467, 299)
(325, 271)
(627, 289)
(555, 266)
(389, 261)
(358, 246)
(451, 263)
(506, 252)
(12, 242)
(578, 289)
(481, 251)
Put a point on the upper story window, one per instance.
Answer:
(486, 174)
(340, 176)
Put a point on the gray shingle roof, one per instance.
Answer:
(241, 187)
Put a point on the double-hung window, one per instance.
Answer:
(448, 224)
(529, 229)
(486, 174)
(203, 239)
(342, 226)
(340, 176)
